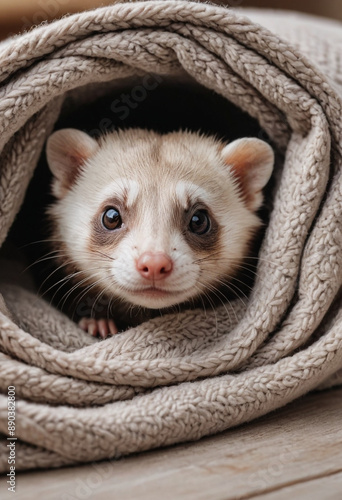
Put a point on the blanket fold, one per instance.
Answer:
(195, 373)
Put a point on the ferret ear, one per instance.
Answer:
(251, 162)
(67, 150)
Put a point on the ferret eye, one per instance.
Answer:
(111, 219)
(200, 222)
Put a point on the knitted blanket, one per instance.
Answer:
(182, 376)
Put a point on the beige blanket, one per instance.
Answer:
(180, 377)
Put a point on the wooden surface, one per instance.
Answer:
(293, 453)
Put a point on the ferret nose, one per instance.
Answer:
(154, 266)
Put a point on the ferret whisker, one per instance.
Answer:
(109, 308)
(131, 310)
(59, 289)
(200, 296)
(256, 260)
(212, 307)
(65, 264)
(38, 242)
(104, 255)
(52, 253)
(235, 260)
(96, 300)
(256, 276)
(83, 291)
(67, 294)
(77, 285)
(69, 277)
(239, 291)
(213, 290)
(38, 261)
(249, 270)
(47, 258)
(231, 282)
(63, 280)
(208, 257)
(227, 284)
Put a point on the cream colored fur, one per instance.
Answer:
(157, 173)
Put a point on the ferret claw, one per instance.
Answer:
(102, 327)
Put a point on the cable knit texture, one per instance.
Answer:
(187, 375)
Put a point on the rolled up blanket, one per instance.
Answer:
(183, 376)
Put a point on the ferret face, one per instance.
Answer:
(154, 219)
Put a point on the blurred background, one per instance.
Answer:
(17, 16)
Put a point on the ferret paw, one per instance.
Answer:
(103, 327)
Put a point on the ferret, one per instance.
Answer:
(154, 220)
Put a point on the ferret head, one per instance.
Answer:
(156, 220)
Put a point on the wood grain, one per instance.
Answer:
(295, 452)
(322, 488)
(51, 8)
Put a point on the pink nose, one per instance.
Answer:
(154, 266)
